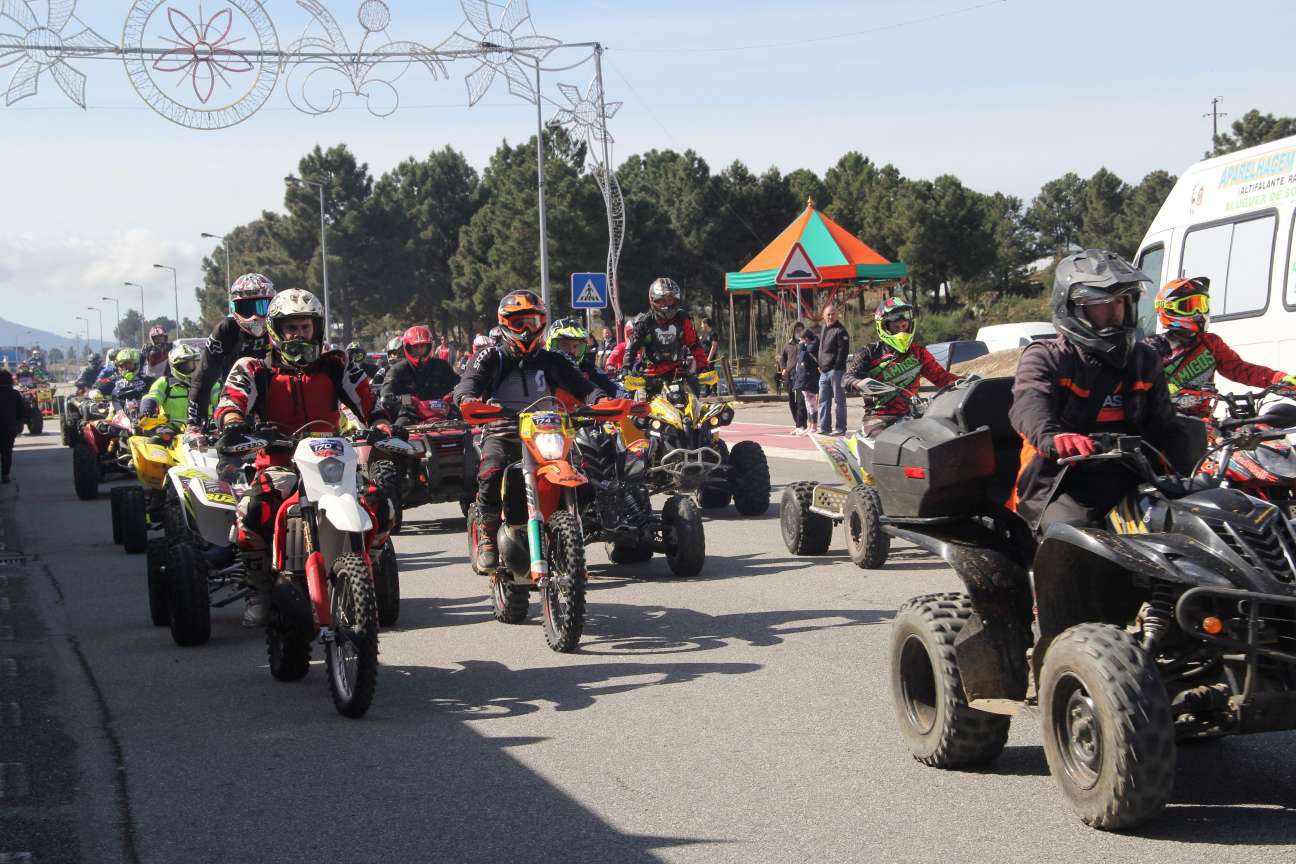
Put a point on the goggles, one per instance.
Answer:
(1193, 304)
(529, 323)
(255, 307)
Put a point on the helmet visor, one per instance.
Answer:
(1186, 307)
(255, 307)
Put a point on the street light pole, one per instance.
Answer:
(116, 303)
(328, 332)
(225, 245)
(143, 340)
(86, 321)
(175, 286)
(98, 311)
(540, 172)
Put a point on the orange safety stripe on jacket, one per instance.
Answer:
(1028, 453)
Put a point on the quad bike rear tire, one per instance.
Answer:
(685, 536)
(114, 508)
(931, 707)
(387, 477)
(35, 422)
(387, 585)
(188, 601)
(156, 557)
(134, 520)
(1108, 732)
(355, 630)
(85, 471)
(749, 479)
(562, 598)
(620, 552)
(866, 543)
(804, 532)
(288, 633)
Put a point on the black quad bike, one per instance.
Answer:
(1174, 621)
(615, 506)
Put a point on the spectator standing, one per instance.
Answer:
(786, 370)
(443, 350)
(13, 413)
(805, 379)
(834, 354)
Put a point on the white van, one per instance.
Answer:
(1230, 219)
(1002, 337)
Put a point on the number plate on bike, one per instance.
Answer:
(325, 447)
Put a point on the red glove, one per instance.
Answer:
(1072, 444)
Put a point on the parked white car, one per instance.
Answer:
(1002, 337)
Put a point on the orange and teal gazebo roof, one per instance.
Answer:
(838, 255)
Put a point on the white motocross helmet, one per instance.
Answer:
(295, 303)
(249, 302)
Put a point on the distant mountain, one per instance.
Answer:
(13, 334)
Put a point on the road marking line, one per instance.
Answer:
(786, 453)
(13, 780)
(10, 715)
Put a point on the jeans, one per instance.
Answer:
(831, 390)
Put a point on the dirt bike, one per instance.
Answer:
(540, 541)
(426, 462)
(323, 574)
(808, 510)
(1267, 471)
(615, 506)
(1174, 620)
(686, 453)
(100, 451)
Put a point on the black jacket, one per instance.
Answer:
(834, 348)
(493, 370)
(88, 376)
(434, 379)
(226, 345)
(13, 411)
(1060, 388)
(787, 359)
(805, 371)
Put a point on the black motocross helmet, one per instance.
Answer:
(1091, 277)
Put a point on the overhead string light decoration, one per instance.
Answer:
(44, 46)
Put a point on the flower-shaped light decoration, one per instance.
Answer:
(307, 82)
(44, 47)
(581, 116)
(497, 36)
(202, 51)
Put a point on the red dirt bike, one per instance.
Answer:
(1267, 468)
(425, 462)
(540, 542)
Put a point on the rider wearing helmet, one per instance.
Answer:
(241, 334)
(89, 373)
(169, 395)
(1191, 355)
(296, 388)
(418, 373)
(1093, 377)
(515, 374)
(107, 374)
(665, 333)
(130, 383)
(154, 354)
(895, 358)
(568, 337)
(23, 375)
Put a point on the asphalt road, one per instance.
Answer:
(742, 716)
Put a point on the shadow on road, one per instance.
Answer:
(418, 613)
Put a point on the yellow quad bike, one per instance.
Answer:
(137, 510)
(686, 453)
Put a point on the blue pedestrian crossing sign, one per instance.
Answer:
(589, 290)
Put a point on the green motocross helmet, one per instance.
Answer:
(889, 312)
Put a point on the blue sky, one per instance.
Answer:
(1005, 96)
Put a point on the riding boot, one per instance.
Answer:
(486, 556)
(256, 567)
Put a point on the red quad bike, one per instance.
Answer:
(40, 404)
(99, 450)
(426, 462)
(1266, 470)
(322, 568)
(540, 541)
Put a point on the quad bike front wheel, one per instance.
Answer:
(749, 479)
(351, 656)
(159, 613)
(387, 585)
(387, 477)
(114, 508)
(804, 531)
(132, 511)
(684, 535)
(35, 422)
(85, 470)
(937, 725)
(289, 633)
(188, 601)
(562, 597)
(1108, 733)
(866, 542)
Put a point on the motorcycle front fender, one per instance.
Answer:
(560, 474)
(345, 513)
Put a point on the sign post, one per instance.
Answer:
(796, 271)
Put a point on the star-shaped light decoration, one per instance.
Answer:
(44, 48)
(498, 37)
(581, 116)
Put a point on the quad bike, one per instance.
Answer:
(1175, 620)
(686, 454)
(1268, 470)
(40, 404)
(100, 451)
(426, 462)
(540, 541)
(808, 510)
(136, 510)
(323, 573)
(615, 507)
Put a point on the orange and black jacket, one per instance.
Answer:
(1059, 388)
(1193, 366)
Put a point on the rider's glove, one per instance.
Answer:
(1069, 444)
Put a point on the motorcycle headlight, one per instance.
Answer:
(550, 445)
(331, 470)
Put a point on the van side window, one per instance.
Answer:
(1150, 262)
(1236, 257)
(1290, 280)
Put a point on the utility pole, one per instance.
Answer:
(1215, 115)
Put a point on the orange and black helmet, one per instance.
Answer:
(1184, 304)
(522, 318)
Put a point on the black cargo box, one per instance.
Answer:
(928, 467)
